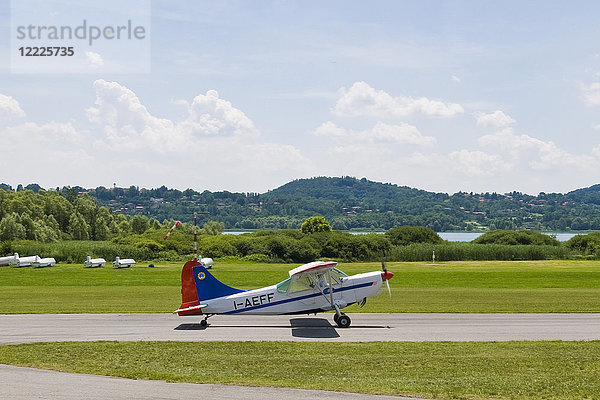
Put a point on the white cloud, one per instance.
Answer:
(363, 100)
(497, 119)
(591, 94)
(476, 163)
(379, 133)
(539, 154)
(330, 129)
(9, 108)
(214, 142)
(456, 79)
(94, 59)
(127, 123)
(210, 115)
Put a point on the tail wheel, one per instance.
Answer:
(343, 321)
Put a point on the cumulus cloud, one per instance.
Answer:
(129, 125)
(211, 115)
(497, 119)
(210, 144)
(379, 133)
(9, 108)
(540, 155)
(363, 100)
(474, 163)
(126, 121)
(94, 59)
(330, 129)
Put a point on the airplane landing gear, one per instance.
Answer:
(204, 322)
(342, 320)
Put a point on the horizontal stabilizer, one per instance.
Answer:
(188, 309)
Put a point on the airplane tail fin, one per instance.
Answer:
(197, 284)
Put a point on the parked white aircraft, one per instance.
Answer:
(311, 288)
(44, 262)
(4, 261)
(94, 262)
(22, 261)
(124, 263)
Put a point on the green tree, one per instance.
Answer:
(213, 228)
(315, 224)
(45, 233)
(29, 226)
(78, 228)
(405, 235)
(139, 224)
(11, 229)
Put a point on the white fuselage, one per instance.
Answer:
(44, 262)
(270, 300)
(94, 262)
(22, 261)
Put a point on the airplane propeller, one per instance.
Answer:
(386, 276)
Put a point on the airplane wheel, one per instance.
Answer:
(335, 318)
(343, 321)
(203, 322)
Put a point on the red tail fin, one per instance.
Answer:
(189, 295)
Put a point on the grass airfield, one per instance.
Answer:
(519, 370)
(463, 287)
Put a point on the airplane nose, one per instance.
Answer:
(385, 275)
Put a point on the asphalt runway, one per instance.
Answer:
(30, 328)
(26, 383)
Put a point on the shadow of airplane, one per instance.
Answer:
(190, 327)
(314, 328)
(301, 327)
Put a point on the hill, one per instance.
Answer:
(350, 203)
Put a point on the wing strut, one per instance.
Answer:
(330, 290)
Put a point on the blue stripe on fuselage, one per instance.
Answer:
(360, 285)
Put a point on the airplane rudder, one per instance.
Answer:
(189, 293)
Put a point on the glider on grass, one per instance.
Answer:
(123, 263)
(311, 288)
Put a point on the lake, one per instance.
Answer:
(454, 236)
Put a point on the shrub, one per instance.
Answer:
(404, 235)
(516, 238)
(587, 244)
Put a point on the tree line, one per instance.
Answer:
(347, 203)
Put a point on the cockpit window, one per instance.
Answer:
(282, 287)
(300, 284)
(337, 273)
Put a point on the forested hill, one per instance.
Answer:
(350, 203)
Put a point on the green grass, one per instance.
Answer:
(516, 370)
(469, 286)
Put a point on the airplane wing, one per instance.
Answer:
(313, 267)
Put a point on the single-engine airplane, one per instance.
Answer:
(311, 288)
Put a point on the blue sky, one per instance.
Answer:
(245, 96)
